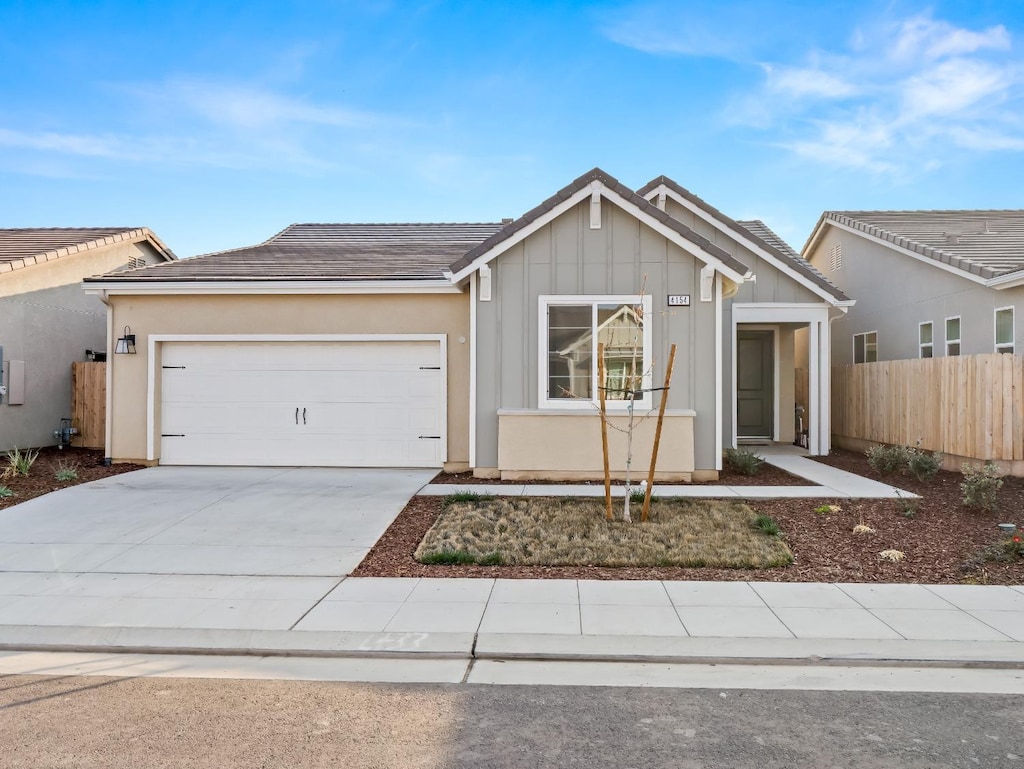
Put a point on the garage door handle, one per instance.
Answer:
(435, 437)
(303, 416)
(296, 415)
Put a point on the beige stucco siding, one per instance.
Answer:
(70, 269)
(445, 313)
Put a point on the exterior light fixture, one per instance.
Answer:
(125, 344)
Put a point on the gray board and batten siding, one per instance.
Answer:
(567, 257)
(770, 286)
(895, 292)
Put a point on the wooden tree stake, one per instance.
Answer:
(604, 432)
(657, 434)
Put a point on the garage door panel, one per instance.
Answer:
(365, 404)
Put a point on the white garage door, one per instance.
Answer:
(337, 404)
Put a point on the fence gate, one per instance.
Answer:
(89, 404)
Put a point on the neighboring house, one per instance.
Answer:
(928, 283)
(474, 345)
(47, 323)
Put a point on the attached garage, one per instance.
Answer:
(319, 401)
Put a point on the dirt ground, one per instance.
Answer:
(943, 541)
(88, 464)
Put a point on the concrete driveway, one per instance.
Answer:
(208, 521)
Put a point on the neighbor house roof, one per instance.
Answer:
(25, 247)
(577, 186)
(988, 244)
(329, 252)
(755, 231)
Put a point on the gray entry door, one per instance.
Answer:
(755, 377)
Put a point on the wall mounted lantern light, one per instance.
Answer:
(125, 344)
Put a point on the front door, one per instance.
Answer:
(755, 377)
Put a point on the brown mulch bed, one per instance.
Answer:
(942, 542)
(40, 480)
(766, 476)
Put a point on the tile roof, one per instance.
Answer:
(613, 184)
(983, 243)
(756, 231)
(24, 247)
(330, 252)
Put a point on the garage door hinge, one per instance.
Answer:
(172, 367)
(172, 435)
(430, 368)
(435, 437)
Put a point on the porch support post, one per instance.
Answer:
(825, 387)
(813, 386)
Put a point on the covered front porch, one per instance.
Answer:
(779, 389)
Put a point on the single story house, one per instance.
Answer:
(475, 345)
(47, 323)
(928, 283)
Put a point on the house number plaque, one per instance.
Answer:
(678, 300)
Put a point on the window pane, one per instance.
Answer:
(570, 351)
(1004, 326)
(926, 333)
(926, 351)
(870, 347)
(858, 348)
(952, 329)
(620, 329)
(953, 348)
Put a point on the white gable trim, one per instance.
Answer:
(613, 197)
(663, 190)
(813, 243)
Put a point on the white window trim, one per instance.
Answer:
(945, 332)
(921, 345)
(590, 300)
(998, 346)
(853, 348)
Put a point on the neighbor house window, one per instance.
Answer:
(953, 336)
(1004, 330)
(865, 347)
(571, 328)
(924, 340)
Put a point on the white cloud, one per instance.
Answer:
(898, 99)
(922, 37)
(802, 82)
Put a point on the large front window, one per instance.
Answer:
(572, 328)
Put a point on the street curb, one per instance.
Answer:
(514, 647)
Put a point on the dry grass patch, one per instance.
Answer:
(565, 531)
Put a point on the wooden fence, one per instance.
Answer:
(967, 406)
(89, 404)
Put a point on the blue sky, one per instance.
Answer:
(218, 124)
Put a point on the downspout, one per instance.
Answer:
(109, 416)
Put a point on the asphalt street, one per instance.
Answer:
(50, 721)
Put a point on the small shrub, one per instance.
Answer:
(922, 465)
(465, 495)
(981, 485)
(20, 462)
(826, 509)
(863, 528)
(66, 472)
(887, 459)
(5, 492)
(449, 558)
(744, 461)
(491, 559)
(906, 506)
(892, 555)
(768, 525)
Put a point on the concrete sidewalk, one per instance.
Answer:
(829, 483)
(951, 625)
